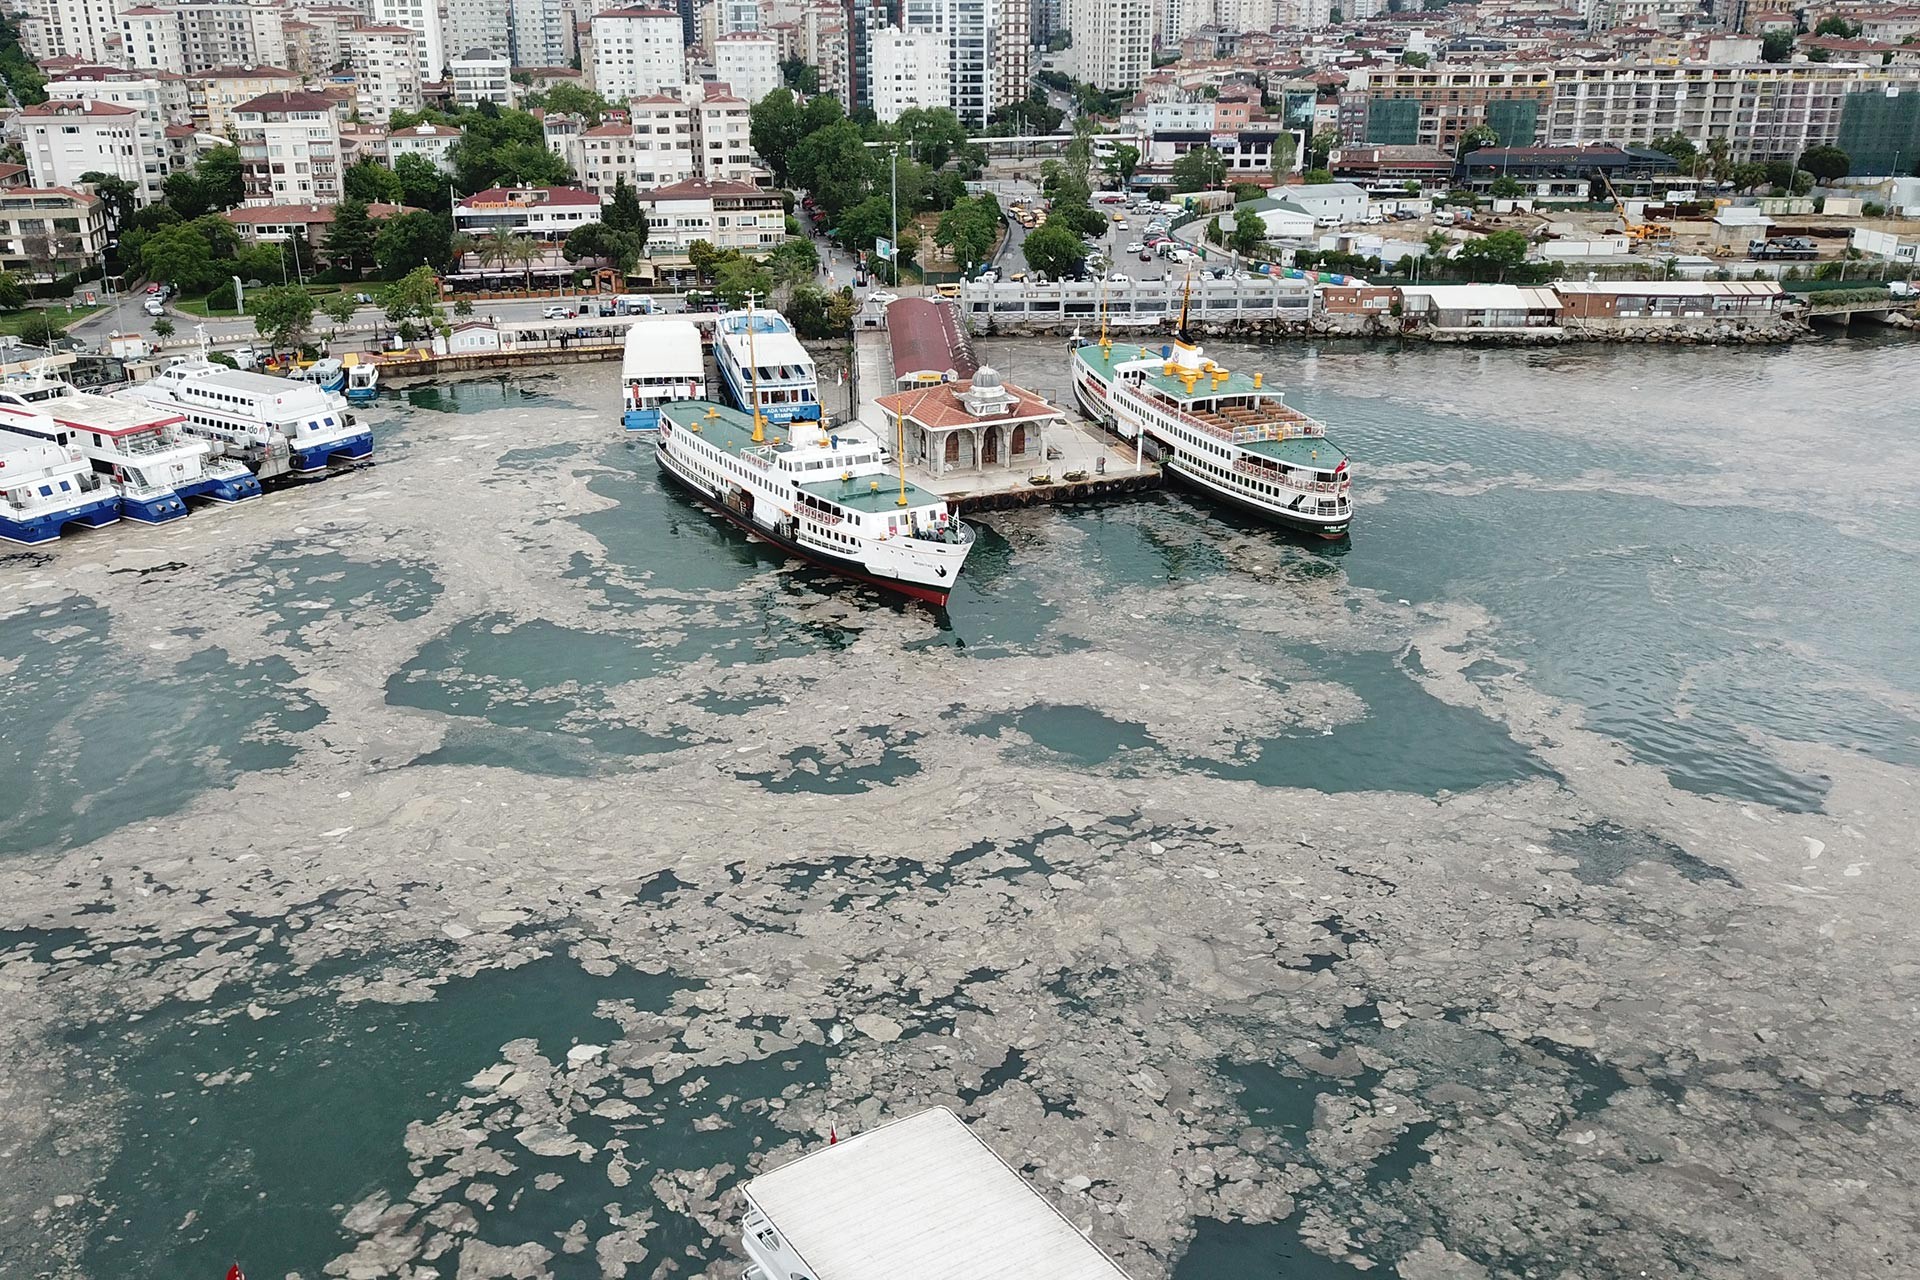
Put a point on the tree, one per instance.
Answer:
(1320, 148)
(1779, 174)
(1494, 255)
(1506, 188)
(262, 263)
(1122, 163)
(116, 195)
(39, 330)
(932, 134)
(13, 294)
(371, 182)
(1835, 25)
(623, 213)
(1827, 164)
(222, 180)
(338, 308)
(705, 259)
(1776, 46)
(793, 264)
(817, 314)
(422, 185)
(1317, 177)
(1249, 231)
(1748, 175)
(775, 126)
(798, 75)
(1413, 59)
(413, 240)
(1214, 234)
(1802, 182)
(1478, 138)
(833, 163)
(738, 277)
(572, 100)
(969, 230)
(1720, 160)
(1053, 248)
(178, 255)
(350, 240)
(162, 328)
(1198, 169)
(858, 227)
(1679, 148)
(415, 296)
(282, 312)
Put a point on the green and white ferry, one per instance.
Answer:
(1225, 433)
(823, 494)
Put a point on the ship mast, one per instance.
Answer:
(753, 377)
(1186, 294)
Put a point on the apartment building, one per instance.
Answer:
(290, 148)
(1010, 51)
(727, 215)
(637, 52)
(151, 40)
(748, 62)
(46, 232)
(964, 28)
(213, 94)
(157, 103)
(662, 128)
(479, 24)
(423, 18)
(84, 29)
(542, 33)
(189, 37)
(907, 70)
(1439, 105)
(433, 143)
(481, 75)
(722, 149)
(386, 70)
(65, 139)
(1112, 42)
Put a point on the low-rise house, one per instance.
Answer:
(727, 215)
(1481, 308)
(1669, 301)
(971, 425)
(543, 213)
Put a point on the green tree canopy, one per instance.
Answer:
(1507, 188)
(1493, 255)
(422, 184)
(178, 255)
(969, 231)
(373, 182)
(13, 294)
(1835, 25)
(932, 134)
(775, 126)
(1198, 169)
(282, 313)
(739, 276)
(1776, 46)
(1249, 231)
(116, 194)
(413, 297)
(833, 163)
(413, 240)
(800, 76)
(349, 246)
(1054, 249)
(1827, 164)
(1678, 147)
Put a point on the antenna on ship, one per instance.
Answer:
(753, 376)
(1186, 295)
(1106, 343)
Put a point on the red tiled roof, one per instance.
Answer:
(939, 405)
(310, 214)
(288, 100)
(926, 337)
(702, 188)
(549, 197)
(75, 107)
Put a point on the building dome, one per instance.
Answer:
(986, 396)
(985, 379)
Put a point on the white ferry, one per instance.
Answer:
(921, 1198)
(274, 425)
(828, 498)
(758, 348)
(141, 452)
(663, 361)
(44, 487)
(1225, 433)
(363, 380)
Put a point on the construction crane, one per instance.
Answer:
(1634, 230)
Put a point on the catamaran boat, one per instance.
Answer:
(45, 487)
(663, 362)
(140, 451)
(363, 381)
(758, 350)
(273, 425)
(920, 1197)
(1226, 434)
(329, 375)
(827, 497)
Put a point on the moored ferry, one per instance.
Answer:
(1225, 433)
(663, 362)
(141, 452)
(273, 425)
(758, 355)
(827, 498)
(44, 487)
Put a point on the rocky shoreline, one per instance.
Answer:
(1723, 333)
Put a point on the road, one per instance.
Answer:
(1113, 242)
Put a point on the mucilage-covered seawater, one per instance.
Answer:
(478, 864)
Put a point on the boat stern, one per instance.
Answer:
(353, 448)
(641, 420)
(153, 508)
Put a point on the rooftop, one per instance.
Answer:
(72, 107)
(529, 197)
(704, 188)
(926, 337)
(922, 1197)
(286, 100)
(940, 405)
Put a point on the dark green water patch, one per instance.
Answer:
(1257, 1251)
(1408, 740)
(97, 739)
(484, 395)
(997, 608)
(838, 769)
(260, 1168)
(601, 750)
(519, 459)
(722, 704)
(1407, 1153)
(1081, 735)
(297, 588)
(1279, 1102)
(1605, 852)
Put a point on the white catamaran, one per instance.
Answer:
(1226, 434)
(824, 495)
(44, 487)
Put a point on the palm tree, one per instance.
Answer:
(495, 248)
(524, 252)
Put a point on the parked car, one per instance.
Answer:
(1145, 256)
(948, 290)
(154, 307)
(1136, 247)
(363, 298)
(557, 313)
(154, 287)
